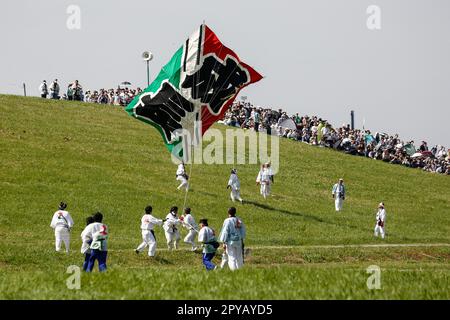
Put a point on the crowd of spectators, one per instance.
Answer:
(319, 132)
(311, 130)
(121, 96)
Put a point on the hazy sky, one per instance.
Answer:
(318, 56)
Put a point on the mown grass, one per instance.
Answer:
(98, 158)
(296, 275)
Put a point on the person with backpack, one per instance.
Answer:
(206, 236)
(232, 237)
(62, 222)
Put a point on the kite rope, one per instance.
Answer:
(190, 173)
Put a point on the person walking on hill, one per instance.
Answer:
(381, 220)
(206, 237)
(170, 228)
(148, 223)
(235, 185)
(264, 180)
(188, 221)
(232, 237)
(62, 222)
(98, 232)
(338, 194)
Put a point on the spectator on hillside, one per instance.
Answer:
(256, 118)
(77, 91)
(54, 90)
(69, 92)
(423, 147)
(315, 131)
(43, 89)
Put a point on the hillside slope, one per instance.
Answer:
(98, 158)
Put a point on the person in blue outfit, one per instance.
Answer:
(98, 232)
(206, 236)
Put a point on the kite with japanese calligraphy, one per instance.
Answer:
(193, 90)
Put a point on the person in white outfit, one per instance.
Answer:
(182, 177)
(54, 90)
(87, 240)
(43, 89)
(338, 194)
(189, 223)
(235, 186)
(381, 220)
(97, 234)
(264, 180)
(62, 223)
(148, 223)
(170, 228)
(232, 237)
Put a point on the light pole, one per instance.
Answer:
(352, 119)
(147, 56)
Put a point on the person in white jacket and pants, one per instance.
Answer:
(235, 186)
(148, 223)
(182, 177)
(188, 221)
(54, 90)
(338, 194)
(264, 180)
(232, 237)
(62, 223)
(170, 228)
(381, 219)
(43, 89)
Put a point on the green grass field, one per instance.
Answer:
(96, 157)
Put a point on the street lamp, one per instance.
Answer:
(147, 56)
(352, 119)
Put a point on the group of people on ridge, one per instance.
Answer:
(265, 179)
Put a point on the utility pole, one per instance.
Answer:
(24, 90)
(352, 119)
(148, 73)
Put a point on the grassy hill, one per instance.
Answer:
(96, 157)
